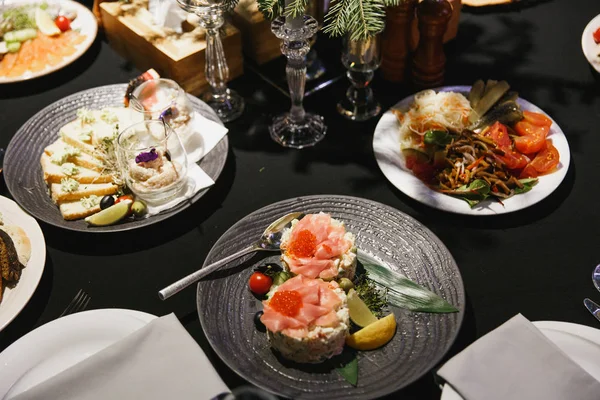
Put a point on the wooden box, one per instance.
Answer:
(177, 58)
(260, 44)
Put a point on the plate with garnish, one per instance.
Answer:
(590, 42)
(87, 163)
(359, 301)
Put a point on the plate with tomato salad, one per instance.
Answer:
(590, 42)
(533, 149)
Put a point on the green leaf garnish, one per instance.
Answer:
(475, 192)
(528, 184)
(404, 293)
(348, 369)
(440, 138)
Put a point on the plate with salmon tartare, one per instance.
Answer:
(293, 322)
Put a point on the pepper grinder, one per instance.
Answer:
(396, 40)
(429, 60)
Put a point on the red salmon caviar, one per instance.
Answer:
(286, 302)
(304, 245)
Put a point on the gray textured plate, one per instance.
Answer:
(23, 172)
(227, 308)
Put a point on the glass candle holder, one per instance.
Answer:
(314, 66)
(164, 99)
(296, 128)
(152, 160)
(227, 103)
(361, 58)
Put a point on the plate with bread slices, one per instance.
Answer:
(61, 166)
(22, 259)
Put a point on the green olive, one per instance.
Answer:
(139, 208)
(346, 284)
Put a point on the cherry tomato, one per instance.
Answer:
(260, 283)
(62, 23)
(499, 134)
(597, 35)
(512, 159)
(528, 172)
(547, 159)
(537, 118)
(525, 128)
(530, 144)
(124, 197)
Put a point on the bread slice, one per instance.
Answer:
(20, 240)
(73, 210)
(83, 160)
(60, 196)
(70, 134)
(53, 173)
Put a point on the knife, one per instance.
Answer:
(593, 308)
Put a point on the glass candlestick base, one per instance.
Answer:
(228, 105)
(305, 133)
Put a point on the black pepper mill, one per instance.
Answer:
(429, 60)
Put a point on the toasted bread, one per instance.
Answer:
(60, 196)
(73, 210)
(83, 160)
(21, 242)
(53, 173)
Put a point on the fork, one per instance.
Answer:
(79, 303)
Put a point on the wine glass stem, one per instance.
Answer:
(360, 93)
(216, 69)
(296, 77)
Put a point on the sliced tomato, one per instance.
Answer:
(525, 128)
(530, 144)
(499, 134)
(410, 161)
(538, 119)
(424, 171)
(597, 35)
(512, 159)
(547, 159)
(528, 172)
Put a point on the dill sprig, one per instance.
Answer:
(371, 294)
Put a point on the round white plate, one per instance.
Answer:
(591, 50)
(15, 298)
(580, 342)
(86, 24)
(386, 145)
(61, 343)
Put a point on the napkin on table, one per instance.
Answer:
(206, 134)
(157, 362)
(516, 361)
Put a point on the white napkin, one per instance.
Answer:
(516, 361)
(204, 137)
(167, 13)
(159, 361)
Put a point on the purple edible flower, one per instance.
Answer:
(146, 156)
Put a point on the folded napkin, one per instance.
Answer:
(206, 134)
(516, 361)
(157, 362)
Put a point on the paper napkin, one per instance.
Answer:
(159, 361)
(516, 361)
(206, 134)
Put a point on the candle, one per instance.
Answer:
(293, 23)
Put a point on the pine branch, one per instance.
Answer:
(392, 3)
(361, 18)
(230, 4)
(295, 8)
(270, 8)
(336, 18)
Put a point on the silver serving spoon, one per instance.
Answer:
(269, 241)
(596, 277)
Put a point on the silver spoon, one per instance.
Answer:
(596, 277)
(269, 241)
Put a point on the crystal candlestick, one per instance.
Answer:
(297, 128)
(361, 57)
(227, 103)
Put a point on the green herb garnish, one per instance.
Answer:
(370, 294)
(440, 138)
(346, 365)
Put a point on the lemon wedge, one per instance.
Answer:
(45, 24)
(110, 215)
(374, 335)
(359, 312)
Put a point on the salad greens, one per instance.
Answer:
(479, 190)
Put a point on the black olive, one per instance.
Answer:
(168, 155)
(258, 323)
(106, 202)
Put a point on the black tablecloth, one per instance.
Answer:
(537, 261)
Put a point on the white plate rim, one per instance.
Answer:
(587, 43)
(582, 331)
(386, 147)
(33, 271)
(82, 318)
(89, 28)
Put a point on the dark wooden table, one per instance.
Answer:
(537, 261)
